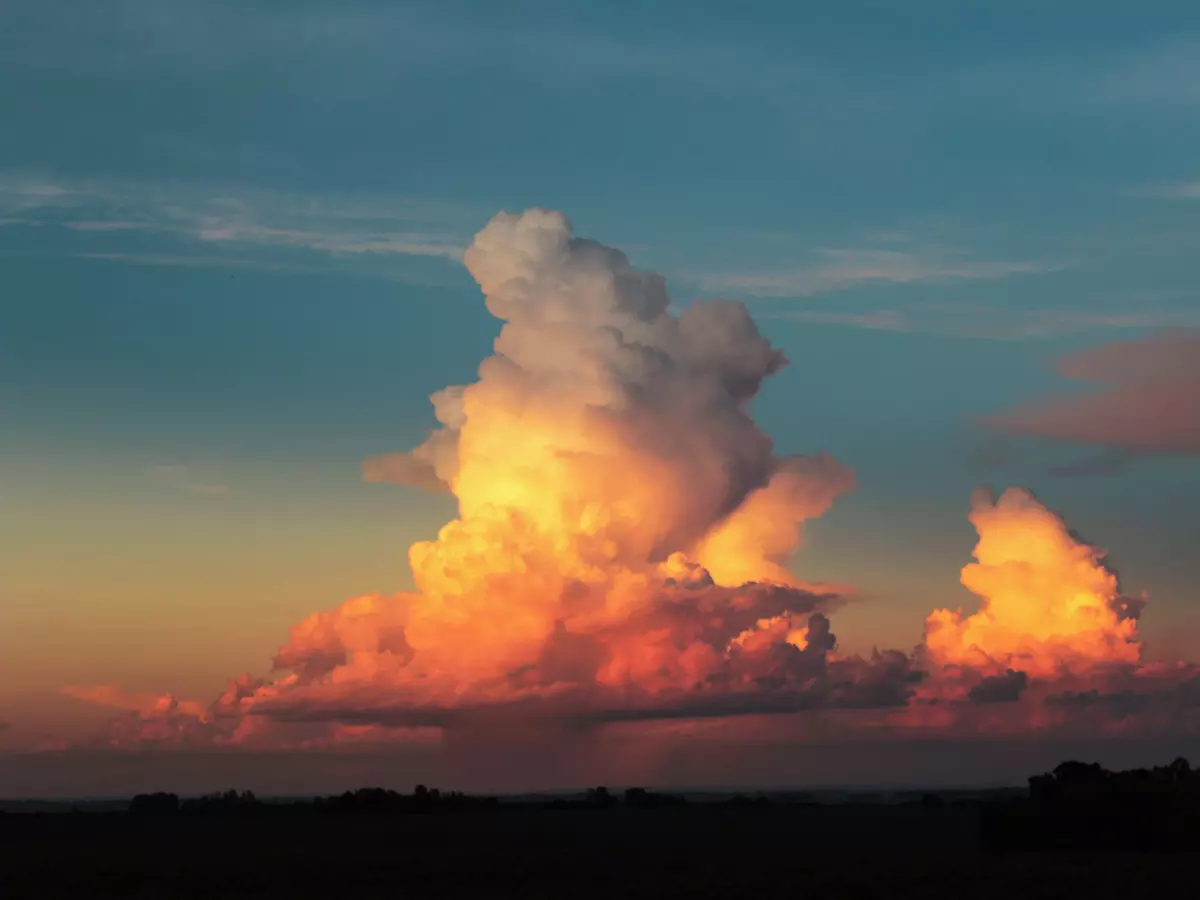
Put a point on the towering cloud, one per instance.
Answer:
(1049, 606)
(621, 552)
(1149, 402)
(623, 525)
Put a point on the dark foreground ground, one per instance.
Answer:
(810, 852)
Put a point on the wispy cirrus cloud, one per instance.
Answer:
(246, 221)
(348, 242)
(874, 320)
(831, 270)
(21, 194)
(107, 225)
(178, 260)
(987, 322)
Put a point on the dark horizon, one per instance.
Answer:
(498, 769)
(521, 796)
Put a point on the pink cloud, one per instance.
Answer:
(1148, 402)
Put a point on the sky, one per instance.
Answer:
(242, 244)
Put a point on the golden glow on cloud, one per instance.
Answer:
(604, 458)
(622, 545)
(1049, 606)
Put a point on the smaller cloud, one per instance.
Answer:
(1148, 401)
(1006, 688)
(182, 478)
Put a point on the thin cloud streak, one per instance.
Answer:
(107, 225)
(337, 226)
(194, 262)
(991, 323)
(403, 243)
(838, 270)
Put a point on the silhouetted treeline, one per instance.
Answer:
(1082, 806)
(366, 800)
(1076, 806)
(421, 800)
(381, 801)
(431, 800)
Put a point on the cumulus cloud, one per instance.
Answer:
(1149, 401)
(164, 720)
(1049, 605)
(624, 526)
(621, 554)
(615, 497)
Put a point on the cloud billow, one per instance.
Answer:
(622, 546)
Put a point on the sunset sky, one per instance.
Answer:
(234, 268)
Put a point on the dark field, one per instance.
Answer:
(813, 852)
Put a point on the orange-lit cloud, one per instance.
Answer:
(614, 495)
(621, 554)
(145, 704)
(1048, 607)
(623, 531)
(1149, 403)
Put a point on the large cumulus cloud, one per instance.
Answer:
(621, 555)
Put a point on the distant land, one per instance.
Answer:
(781, 796)
(1080, 821)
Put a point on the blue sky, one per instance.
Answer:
(227, 274)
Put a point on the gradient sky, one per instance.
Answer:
(228, 275)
